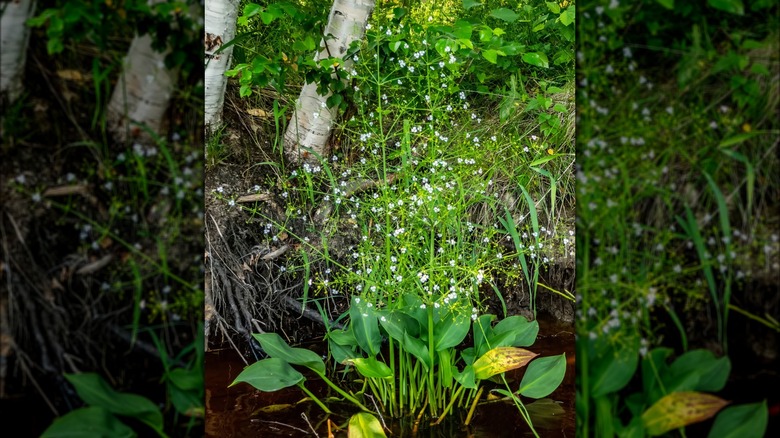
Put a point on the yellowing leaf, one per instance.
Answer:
(501, 359)
(72, 75)
(365, 425)
(680, 409)
(257, 112)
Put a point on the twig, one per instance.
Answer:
(378, 411)
(306, 419)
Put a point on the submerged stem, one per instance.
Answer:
(314, 398)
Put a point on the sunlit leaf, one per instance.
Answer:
(491, 55)
(501, 359)
(568, 15)
(370, 367)
(680, 409)
(365, 425)
(537, 59)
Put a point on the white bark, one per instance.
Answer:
(14, 37)
(220, 28)
(142, 94)
(312, 121)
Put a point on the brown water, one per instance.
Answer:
(241, 411)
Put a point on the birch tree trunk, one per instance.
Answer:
(143, 93)
(312, 121)
(14, 37)
(220, 28)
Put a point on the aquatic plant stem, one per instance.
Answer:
(473, 406)
(343, 393)
(314, 398)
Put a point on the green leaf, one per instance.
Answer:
(186, 402)
(612, 365)
(739, 138)
(365, 425)
(731, 6)
(372, 368)
(269, 375)
(559, 108)
(462, 29)
(712, 373)
(491, 55)
(740, 421)
(544, 159)
(537, 59)
(568, 16)
(90, 422)
(396, 323)
(95, 391)
(504, 14)
(418, 349)
(274, 346)
(252, 9)
(653, 365)
(334, 100)
(554, 7)
(186, 379)
(525, 331)
(543, 376)
(668, 4)
(451, 330)
(365, 326)
(468, 4)
(466, 377)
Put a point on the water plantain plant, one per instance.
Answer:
(667, 396)
(420, 368)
